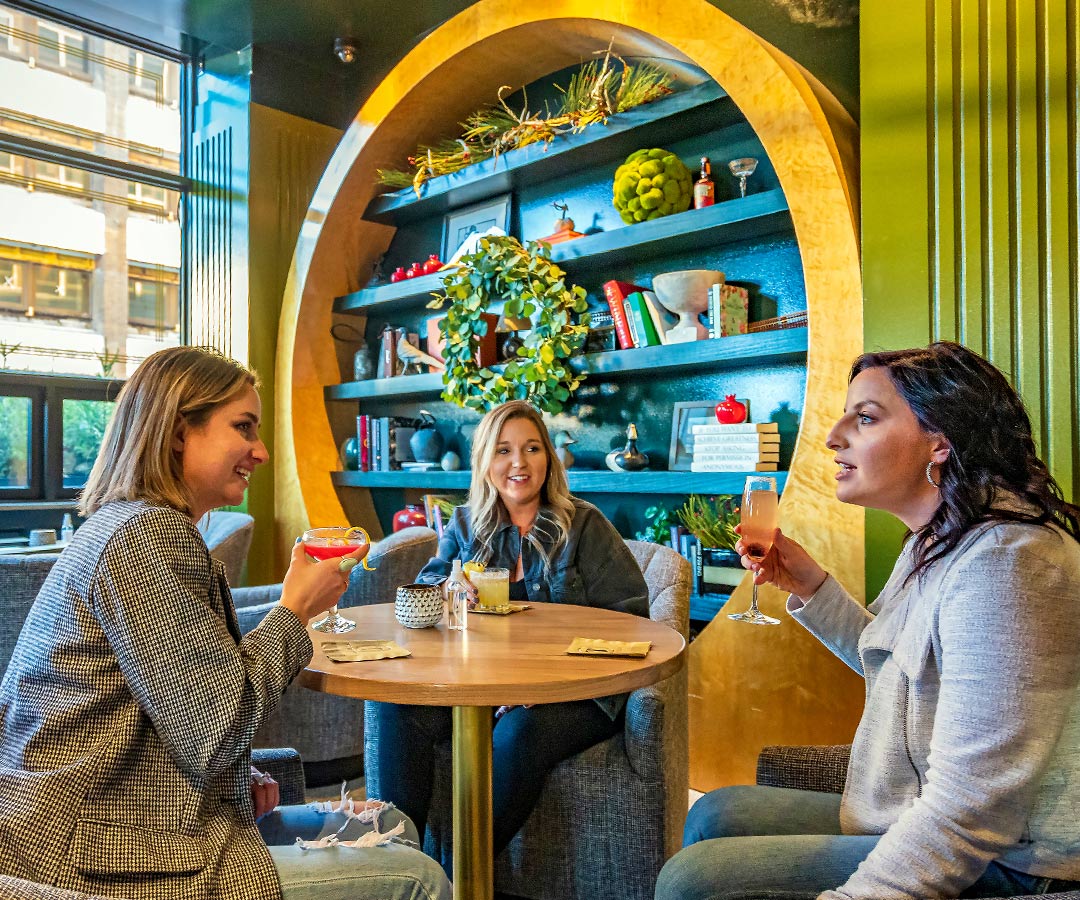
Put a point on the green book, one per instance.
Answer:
(643, 323)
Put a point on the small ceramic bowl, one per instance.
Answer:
(419, 605)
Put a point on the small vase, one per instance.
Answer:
(426, 445)
(412, 514)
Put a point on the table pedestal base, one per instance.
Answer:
(474, 877)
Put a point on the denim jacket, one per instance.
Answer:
(593, 568)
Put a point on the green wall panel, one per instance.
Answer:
(969, 203)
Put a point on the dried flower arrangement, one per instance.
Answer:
(596, 91)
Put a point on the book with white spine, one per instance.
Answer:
(732, 467)
(741, 428)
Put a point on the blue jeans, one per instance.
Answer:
(393, 872)
(526, 745)
(755, 841)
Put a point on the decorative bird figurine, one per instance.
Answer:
(562, 449)
(413, 358)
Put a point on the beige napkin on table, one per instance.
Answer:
(359, 651)
(597, 647)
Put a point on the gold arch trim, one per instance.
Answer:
(748, 686)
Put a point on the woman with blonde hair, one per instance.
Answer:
(129, 705)
(559, 549)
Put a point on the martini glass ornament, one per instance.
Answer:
(742, 169)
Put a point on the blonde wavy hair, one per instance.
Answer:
(556, 506)
(136, 460)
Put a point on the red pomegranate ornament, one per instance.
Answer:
(398, 275)
(415, 270)
(730, 411)
(432, 265)
(412, 514)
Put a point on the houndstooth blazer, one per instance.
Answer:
(126, 719)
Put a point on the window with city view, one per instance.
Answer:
(90, 256)
(91, 270)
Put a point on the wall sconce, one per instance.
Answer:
(345, 50)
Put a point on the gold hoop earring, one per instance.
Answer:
(929, 474)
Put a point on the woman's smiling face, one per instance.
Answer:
(218, 457)
(519, 467)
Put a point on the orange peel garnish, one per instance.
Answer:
(357, 530)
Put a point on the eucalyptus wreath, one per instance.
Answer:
(529, 285)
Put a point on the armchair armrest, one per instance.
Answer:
(812, 768)
(285, 766)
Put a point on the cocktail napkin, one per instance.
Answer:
(500, 610)
(597, 647)
(359, 651)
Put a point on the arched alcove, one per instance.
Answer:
(749, 686)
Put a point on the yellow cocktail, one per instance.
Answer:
(492, 588)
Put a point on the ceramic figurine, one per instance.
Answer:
(629, 459)
(562, 442)
(450, 461)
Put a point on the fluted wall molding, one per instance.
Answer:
(970, 197)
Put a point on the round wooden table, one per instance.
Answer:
(515, 659)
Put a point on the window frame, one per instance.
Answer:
(47, 394)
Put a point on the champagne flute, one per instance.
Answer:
(758, 523)
(326, 543)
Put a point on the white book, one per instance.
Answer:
(736, 440)
(662, 320)
(741, 428)
(729, 467)
(736, 457)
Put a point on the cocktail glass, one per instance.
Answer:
(327, 543)
(492, 588)
(757, 520)
(742, 169)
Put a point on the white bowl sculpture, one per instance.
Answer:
(686, 293)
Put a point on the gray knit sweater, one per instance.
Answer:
(969, 746)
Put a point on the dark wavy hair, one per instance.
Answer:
(955, 392)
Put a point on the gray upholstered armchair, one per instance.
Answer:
(327, 730)
(824, 768)
(610, 817)
(228, 538)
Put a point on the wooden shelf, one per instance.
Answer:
(762, 348)
(686, 113)
(733, 220)
(598, 481)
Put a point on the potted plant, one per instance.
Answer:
(529, 285)
(712, 521)
(659, 520)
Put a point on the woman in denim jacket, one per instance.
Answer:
(964, 777)
(559, 549)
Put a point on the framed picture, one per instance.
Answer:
(461, 224)
(683, 417)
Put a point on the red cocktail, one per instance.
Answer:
(329, 543)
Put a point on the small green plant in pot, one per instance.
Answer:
(530, 286)
(659, 520)
(712, 521)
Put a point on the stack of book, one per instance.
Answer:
(640, 320)
(384, 442)
(749, 447)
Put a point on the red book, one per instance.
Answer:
(363, 438)
(616, 292)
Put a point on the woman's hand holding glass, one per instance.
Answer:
(311, 587)
(787, 566)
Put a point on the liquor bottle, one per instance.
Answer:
(457, 599)
(704, 189)
(67, 529)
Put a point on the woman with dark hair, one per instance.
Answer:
(558, 549)
(964, 779)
